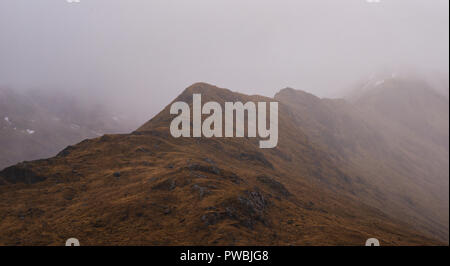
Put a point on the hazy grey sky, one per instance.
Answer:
(146, 51)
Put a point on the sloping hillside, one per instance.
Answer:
(391, 143)
(148, 188)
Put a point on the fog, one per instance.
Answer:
(138, 55)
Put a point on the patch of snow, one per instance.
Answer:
(74, 126)
(96, 133)
(30, 131)
(378, 83)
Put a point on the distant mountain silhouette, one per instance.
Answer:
(34, 126)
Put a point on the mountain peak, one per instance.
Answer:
(211, 92)
(201, 87)
(208, 93)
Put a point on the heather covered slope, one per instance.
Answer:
(152, 189)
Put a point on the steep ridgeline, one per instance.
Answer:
(150, 188)
(392, 134)
(413, 115)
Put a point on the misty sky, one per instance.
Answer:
(140, 54)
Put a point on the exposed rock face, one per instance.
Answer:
(253, 205)
(255, 157)
(274, 185)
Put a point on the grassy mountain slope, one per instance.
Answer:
(393, 137)
(152, 189)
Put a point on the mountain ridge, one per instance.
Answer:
(150, 188)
